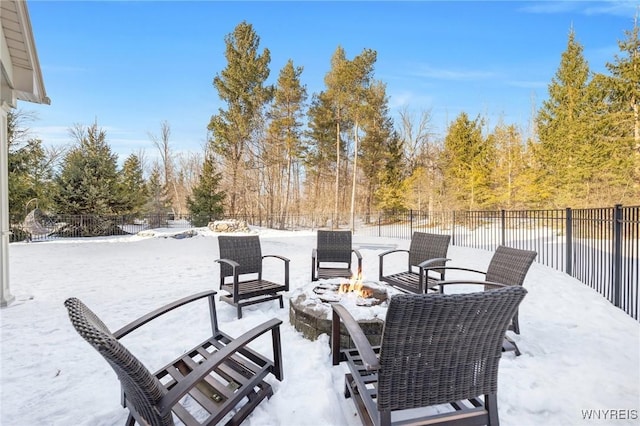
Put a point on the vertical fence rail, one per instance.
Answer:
(629, 264)
(568, 245)
(617, 255)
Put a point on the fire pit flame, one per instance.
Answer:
(355, 285)
(365, 295)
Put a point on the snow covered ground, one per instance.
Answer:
(580, 362)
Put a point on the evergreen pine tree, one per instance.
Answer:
(30, 168)
(391, 195)
(285, 133)
(158, 202)
(509, 163)
(319, 154)
(564, 130)
(336, 97)
(241, 86)
(206, 200)
(377, 142)
(622, 115)
(133, 186)
(467, 155)
(87, 183)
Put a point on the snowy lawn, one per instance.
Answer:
(580, 355)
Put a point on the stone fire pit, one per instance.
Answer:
(310, 309)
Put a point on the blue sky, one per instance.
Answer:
(131, 65)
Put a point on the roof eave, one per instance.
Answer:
(26, 80)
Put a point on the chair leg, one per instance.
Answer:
(509, 345)
(130, 420)
(515, 324)
(385, 418)
(491, 405)
(239, 309)
(281, 302)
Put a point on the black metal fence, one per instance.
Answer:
(599, 247)
(43, 227)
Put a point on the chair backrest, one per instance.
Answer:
(245, 250)
(425, 246)
(142, 389)
(448, 344)
(509, 265)
(334, 246)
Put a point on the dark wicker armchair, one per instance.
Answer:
(220, 380)
(241, 263)
(425, 250)
(332, 256)
(507, 266)
(436, 349)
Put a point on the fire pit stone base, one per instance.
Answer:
(312, 317)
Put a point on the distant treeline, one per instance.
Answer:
(275, 151)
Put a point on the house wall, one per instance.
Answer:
(21, 79)
(6, 102)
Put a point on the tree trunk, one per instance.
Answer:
(337, 186)
(355, 172)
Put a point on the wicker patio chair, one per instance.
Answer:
(332, 256)
(425, 250)
(507, 266)
(436, 350)
(241, 263)
(221, 380)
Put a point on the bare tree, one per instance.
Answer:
(144, 161)
(416, 134)
(163, 146)
(188, 170)
(421, 153)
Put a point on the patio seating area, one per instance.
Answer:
(333, 254)
(573, 335)
(435, 350)
(425, 259)
(220, 379)
(241, 264)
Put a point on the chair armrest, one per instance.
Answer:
(456, 268)
(160, 311)
(381, 255)
(357, 253)
(369, 358)
(314, 263)
(488, 285)
(229, 262)
(359, 257)
(197, 374)
(475, 282)
(284, 259)
(234, 273)
(426, 263)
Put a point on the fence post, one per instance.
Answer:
(617, 254)
(569, 241)
(410, 223)
(453, 228)
(503, 223)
